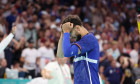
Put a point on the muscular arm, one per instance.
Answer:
(68, 49)
(60, 53)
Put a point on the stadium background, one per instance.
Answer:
(113, 22)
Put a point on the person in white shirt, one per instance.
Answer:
(134, 53)
(46, 54)
(114, 51)
(21, 25)
(57, 72)
(28, 57)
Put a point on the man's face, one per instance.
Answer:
(3, 63)
(74, 34)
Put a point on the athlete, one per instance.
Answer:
(85, 50)
(7, 40)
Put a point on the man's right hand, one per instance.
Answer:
(67, 27)
(46, 74)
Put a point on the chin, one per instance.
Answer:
(78, 37)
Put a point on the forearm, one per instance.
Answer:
(69, 50)
(60, 53)
(5, 42)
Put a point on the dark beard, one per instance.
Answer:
(78, 37)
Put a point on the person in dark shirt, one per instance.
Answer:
(113, 74)
(11, 18)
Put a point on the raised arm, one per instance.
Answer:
(7, 40)
(68, 49)
(60, 53)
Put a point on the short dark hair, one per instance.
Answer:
(73, 19)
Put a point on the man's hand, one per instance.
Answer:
(46, 74)
(67, 27)
(13, 29)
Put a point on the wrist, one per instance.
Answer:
(67, 31)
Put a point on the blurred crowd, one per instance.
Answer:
(113, 23)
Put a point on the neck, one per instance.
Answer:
(84, 32)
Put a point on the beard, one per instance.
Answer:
(78, 37)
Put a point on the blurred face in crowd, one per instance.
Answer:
(52, 45)
(128, 45)
(62, 61)
(31, 45)
(110, 57)
(136, 46)
(113, 64)
(30, 25)
(104, 36)
(122, 29)
(3, 63)
(115, 45)
(47, 33)
(105, 46)
(47, 43)
(34, 18)
(24, 14)
(30, 10)
(13, 10)
(17, 65)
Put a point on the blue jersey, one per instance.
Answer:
(86, 64)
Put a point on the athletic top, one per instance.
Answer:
(86, 63)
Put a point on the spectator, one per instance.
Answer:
(21, 71)
(103, 56)
(126, 66)
(134, 53)
(113, 74)
(3, 66)
(21, 24)
(9, 55)
(127, 48)
(46, 54)
(11, 18)
(136, 72)
(114, 51)
(28, 57)
(58, 72)
(30, 32)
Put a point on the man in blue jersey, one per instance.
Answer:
(85, 50)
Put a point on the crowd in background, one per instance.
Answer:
(113, 23)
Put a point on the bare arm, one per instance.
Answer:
(60, 53)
